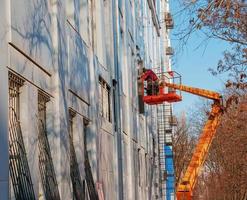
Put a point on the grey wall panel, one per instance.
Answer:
(31, 29)
(30, 71)
(78, 65)
(29, 126)
(71, 44)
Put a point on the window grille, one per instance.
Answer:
(90, 186)
(46, 167)
(100, 98)
(77, 186)
(136, 169)
(18, 163)
(104, 100)
(139, 166)
(89, 179)
(146, 168)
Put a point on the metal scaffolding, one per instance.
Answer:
(165, 151)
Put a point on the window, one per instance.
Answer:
(146, 168)
(139, 166)
(46, 167)
(104, 100)
(136, 170)
(77, 184)
(18, 162)
(140, 87)
(42, 101)
(89, 184)
(114, 82)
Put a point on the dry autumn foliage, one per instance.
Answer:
(183, 144)
(224, 20)
(225, 173)
(224, 176)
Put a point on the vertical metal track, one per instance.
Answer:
(169, 168)
(77, 186)
(161, 143)
(46, 168)
(18, 163)
(165, 141)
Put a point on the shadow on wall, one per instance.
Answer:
(78, 65)
(36, 34)
(31, 31)
(36, 28)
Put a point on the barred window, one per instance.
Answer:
(104, 100)
(18, 163)
(146, 168)
(77, 184)
(42, 102)
(46, 167)
(139, 166)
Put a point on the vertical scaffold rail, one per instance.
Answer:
(168, 151)
(161, 143)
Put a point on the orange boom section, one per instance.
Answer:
(188, 181)
(186, 185)
(196, 91)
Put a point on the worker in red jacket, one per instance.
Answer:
(149, 74)
(152, 81)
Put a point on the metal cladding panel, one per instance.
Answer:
(169, 166)
(168, 150)
(170, 181)
(78, 66)
(31, 30)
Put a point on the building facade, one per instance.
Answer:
(73, 125)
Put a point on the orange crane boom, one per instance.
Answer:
(188, 181)
(196, 91)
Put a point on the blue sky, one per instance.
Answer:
(193, 64)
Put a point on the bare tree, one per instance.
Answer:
(225, 171)
(183, 144)
(221, 19)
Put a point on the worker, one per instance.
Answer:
(149, 88)
(148, 73)
(152, 81)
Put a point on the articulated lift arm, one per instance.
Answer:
(187, 183)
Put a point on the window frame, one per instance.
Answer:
(105, 100)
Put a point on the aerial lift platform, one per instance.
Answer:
(168, 93)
